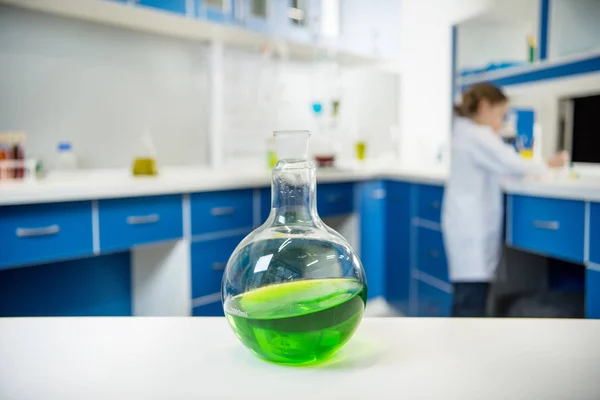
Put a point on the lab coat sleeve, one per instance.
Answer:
(498, 157)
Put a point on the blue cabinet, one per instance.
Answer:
(256, 15)
(334, 199)
(221, 211)
(592, 292)
(173, 6)
(430, 254)
(209, 259)
(429, 204)
(91, 286)
(265, 204)
(220, 11)
(548, 226)
(594, 238)
(296, 20)
(432, 301)
(397, 248)
(43, 232)
(372, 235)
(125, 223)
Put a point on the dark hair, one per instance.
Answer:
(472, 97)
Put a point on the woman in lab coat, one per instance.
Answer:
(472, 210)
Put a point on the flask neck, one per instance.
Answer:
(294, 193)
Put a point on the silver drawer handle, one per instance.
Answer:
(43, 231)
(378, 194)
(220, 211)
(219, 266)
(143, 219)
(435, 204)
(550, 225)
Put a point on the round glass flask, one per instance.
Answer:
(294, 290)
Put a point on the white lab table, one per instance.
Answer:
(395, 358)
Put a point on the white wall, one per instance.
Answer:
(425, 85)
(574, 27)
(100, 88)
(262, 95)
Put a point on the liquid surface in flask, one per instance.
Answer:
(298, 322)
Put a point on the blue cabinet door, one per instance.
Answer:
(372, 235)
(256, 15)
(397, 239)
(296, 20)
(592, 292)
(334, 199)
(209, 260)
(173, 6)
(429, 204)
(265, 204)
(548, 226)
(36, 233)
(433, 301)
(430, 254)
(220, 11)
(594, 238)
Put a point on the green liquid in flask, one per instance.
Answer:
(298, 322)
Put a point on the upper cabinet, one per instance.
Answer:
(221, 11)
(506, 34)
(358, 31)
(574, 28)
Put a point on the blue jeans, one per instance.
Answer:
(470, 299)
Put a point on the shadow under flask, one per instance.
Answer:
(294, 290)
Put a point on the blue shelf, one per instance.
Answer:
(542, 71)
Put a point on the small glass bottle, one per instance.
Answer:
(294, 291)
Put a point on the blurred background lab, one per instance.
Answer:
(136, 146)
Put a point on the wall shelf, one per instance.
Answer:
(147, 20)
(537, 72)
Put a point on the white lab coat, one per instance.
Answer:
(472, 209)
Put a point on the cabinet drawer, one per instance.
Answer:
(209, 259)
(214, 309)
(43, 232)
(173, 6)
(432, 301)
(592, 293)
(139, 220)
(548, 226)
(335, 199)
(431, 257)
(221, 211)
(429, 203)
(594, 244)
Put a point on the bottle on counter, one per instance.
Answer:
(67, 161)
(12, 156)
(144, 163)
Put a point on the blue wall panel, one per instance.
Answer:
(96, 286)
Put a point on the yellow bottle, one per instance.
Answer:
(145, 163)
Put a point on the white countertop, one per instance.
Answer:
(101, 184)
(388, 358)
(92, 184)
